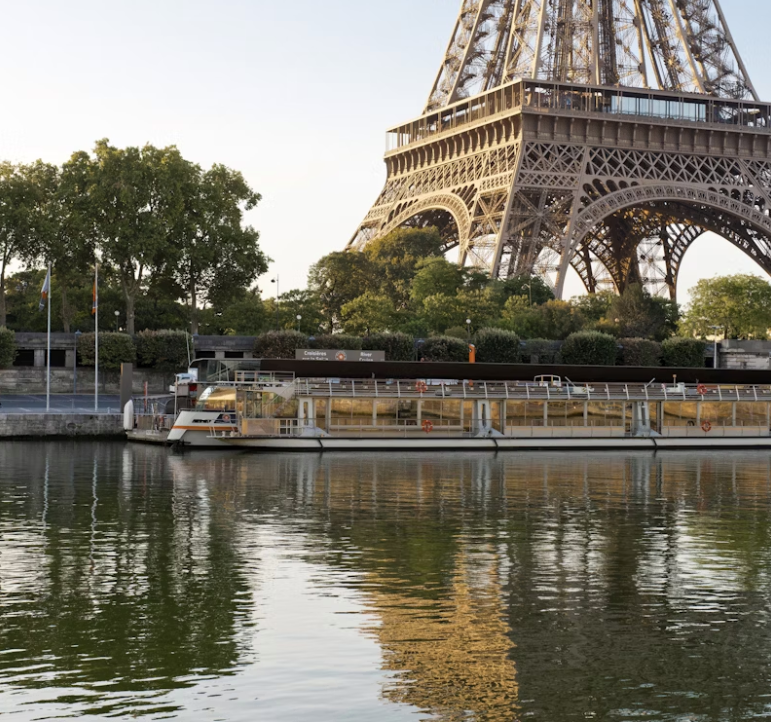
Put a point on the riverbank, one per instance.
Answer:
(42, 425)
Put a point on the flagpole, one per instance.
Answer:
(96, 337)
(48, 357)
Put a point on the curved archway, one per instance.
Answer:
(429, 212)
(641, 233)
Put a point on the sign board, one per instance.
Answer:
(320, 354)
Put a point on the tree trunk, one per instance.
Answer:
(66, 311)
(193, 309)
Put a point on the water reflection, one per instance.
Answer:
(452, 587)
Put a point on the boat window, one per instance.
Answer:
(217, 399)
(680, 414)
(524, 413)
(604, 413)
(718, 414)
(752, 414)
(565, 413)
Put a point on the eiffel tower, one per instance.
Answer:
(606, 135)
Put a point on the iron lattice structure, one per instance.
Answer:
(606, 135)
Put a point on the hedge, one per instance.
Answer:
(496, 346)
(589, 348)
(338, 341)
(163, 350)
(639, 352)
(544, 351)
(114, 349)
(7, 347)
(279, 344)
(397, 346)
(443, 348)
(683, 352)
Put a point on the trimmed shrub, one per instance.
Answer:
(590, 348)
(163, 350)
(279, 344)
(444, 348)
(496, 346)
(683, 353)
(114, 349)
(460, 332)
(7, 347)
(639, 352)
(397, 346)
(340, 341)
(541, 350)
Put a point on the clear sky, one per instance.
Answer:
(297, 95)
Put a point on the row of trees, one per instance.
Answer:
(164, 230)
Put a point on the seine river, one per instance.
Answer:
(223, 586)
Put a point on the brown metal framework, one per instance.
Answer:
(605, 135)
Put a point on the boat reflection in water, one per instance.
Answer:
(462, 586)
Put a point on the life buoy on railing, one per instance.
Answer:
(428, 427)
(706, 427)
(421, 387)
(702, 389)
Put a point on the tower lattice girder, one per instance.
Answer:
(560, 169)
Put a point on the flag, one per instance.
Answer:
(45, 290)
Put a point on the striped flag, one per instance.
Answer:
(46, 290)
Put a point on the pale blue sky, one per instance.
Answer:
(295, 95)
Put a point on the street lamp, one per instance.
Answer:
(275, 280)
(468, 328)
(117, 321)
(299, 318)
(75, 382)
(530, 290)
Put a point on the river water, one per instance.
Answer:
(135, 583)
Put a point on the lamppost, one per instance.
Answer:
(299, 318)
(468, 329)
(530, 290)
(75, 383)
(275, 280)
(117, 321)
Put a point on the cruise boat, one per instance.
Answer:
(549, 412)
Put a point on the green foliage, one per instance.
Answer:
(337, 279)
(639, 352)
(637, 314)
(114, 349)
(7, 347)
(589, 348)
(594, 306)
(540, 350)
(436, 275)
(523, 319)
(497, 346)
(279, 344)
(683, 352)
(441, 311)
(444, 348)
(560, 319)
(368, 314)
(460, 332)
(163, 350)
(735, 306)
(533, 288)
(339, 341)
(395, 258)
(397, 346)
(246, 316)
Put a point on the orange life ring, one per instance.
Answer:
(702, 389)
(421, 387)
(706, 427)
(428, 427)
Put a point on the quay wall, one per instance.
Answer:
(33, 426)
(31, 380)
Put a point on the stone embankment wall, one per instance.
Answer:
(29, 380)
(16, 426)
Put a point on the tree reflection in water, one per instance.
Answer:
(553, 586)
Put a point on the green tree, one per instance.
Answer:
(368, 314)
(294, 303)
(338, 278)
(23, 200)
(523, 319)
(594, 306)
(441, 311)
(560, 319)
(395, 258)
(737, 306)
(436, 275)
(532, 287)
(637, 314)
(245, 316)
(215, 256)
